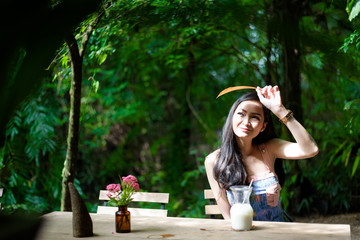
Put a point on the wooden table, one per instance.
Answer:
(58, 225)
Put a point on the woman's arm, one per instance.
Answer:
(304, 147)
(220, 194)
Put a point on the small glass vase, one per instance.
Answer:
(122, 220)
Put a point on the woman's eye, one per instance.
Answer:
(241, 114)
(255, 117)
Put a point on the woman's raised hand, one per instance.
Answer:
(270, 97)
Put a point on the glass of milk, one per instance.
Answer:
(241, 212)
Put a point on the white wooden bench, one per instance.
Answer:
(1, 193)
(150, 197)
(212, 209)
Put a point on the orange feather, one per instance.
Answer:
(230, 89)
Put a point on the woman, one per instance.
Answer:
(249, 149)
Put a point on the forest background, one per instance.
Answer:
(149, 75)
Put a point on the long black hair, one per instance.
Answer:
(229, 169)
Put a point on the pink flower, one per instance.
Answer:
(113, 187)
(136, 187)
(132, 181)
(129, 178)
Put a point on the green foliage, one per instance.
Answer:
(25, 158)
(353, 8)
(353, 38)
(333, 173)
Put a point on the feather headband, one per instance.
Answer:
(230, 89)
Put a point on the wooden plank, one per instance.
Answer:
(151, 197)
(1, 193)
(208, 194)
(134, 211)
(142, 197)
(212, 209)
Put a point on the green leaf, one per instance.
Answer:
(95, 85)
(349, 104)
(102, 58)
(349, 6)
(355, 10)
(348, 155)
(336, 152)
(356, 163)
(64, 61)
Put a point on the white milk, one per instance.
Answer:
(241, 216)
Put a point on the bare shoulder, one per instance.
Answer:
(273, 146)
(212, 157)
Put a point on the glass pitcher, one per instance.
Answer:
(241, 212)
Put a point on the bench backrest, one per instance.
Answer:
(1, 193)
(212, 209)
(151, 197)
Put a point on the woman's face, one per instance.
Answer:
(248, 119)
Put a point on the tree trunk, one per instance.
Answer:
(74, 119)
(76, 58)
(272, 76)
(178, 160)
(272, 18)
(290, 14)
